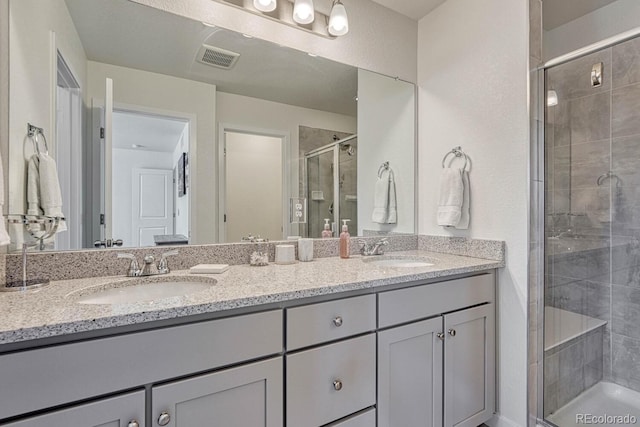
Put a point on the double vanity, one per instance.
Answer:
(387, 341)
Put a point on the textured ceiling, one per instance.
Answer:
(127, 34)
(414, 9)
(559, 12)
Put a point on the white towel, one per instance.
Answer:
(451, 197)
(465, 216)
(384, 199)
(4, 236)
(43, 189)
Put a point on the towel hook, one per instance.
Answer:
(33, 132)
(457, 152)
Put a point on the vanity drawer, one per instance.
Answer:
(327, 321)
(406, 305)
(331, 382)
(66, 373)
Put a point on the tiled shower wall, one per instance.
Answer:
(593, 256)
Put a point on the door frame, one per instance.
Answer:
(191, 119)
(285, 137)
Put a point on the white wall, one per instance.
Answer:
(612, 19)
(124, 162)
(182, 203)
(180, 96)
(386, 132)
(378, 40)
(473, 92)
(243, 111)
(33, 81)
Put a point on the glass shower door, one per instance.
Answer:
(320, 192)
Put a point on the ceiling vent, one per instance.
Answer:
(217, 57)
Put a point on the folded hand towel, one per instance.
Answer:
(43, 189)
(384, 199)
(451, 197)
(4, 236)
(463, 224)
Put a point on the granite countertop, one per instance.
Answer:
(52, 311)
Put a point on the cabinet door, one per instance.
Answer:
(121, 411)
(410, 375)
(247, 396)
(469, 366)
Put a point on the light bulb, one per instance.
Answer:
(265, 5)
(338, 21)
(303, 12)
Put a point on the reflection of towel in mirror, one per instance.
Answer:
(451, 197)
(43, 188)
(384, 199)
(4, 236)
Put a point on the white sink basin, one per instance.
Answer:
(143, 289)
(400, 261)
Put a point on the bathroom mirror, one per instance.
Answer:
(167, 130)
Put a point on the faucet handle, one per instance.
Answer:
(134, 267)
(163, 264)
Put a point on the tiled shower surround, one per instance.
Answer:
(592, 184)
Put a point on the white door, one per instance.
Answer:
(107, 160)
(152, 205)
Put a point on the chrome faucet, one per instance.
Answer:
(150, 268)
(376, 249)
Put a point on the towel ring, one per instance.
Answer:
(383, 167)
(33, 132)
(456, 151)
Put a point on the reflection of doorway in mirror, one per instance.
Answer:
(147, 149)
(253, 186)
(69, 154)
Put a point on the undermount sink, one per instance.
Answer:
(143, 289)
(400, 261)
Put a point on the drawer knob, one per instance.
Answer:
(440, 335)
(337, 385)
(164, 419)
(133, 423)
(452, 332)
(337, 321)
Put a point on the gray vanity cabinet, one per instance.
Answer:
(439, 371)
(246, 396)
(126, 410)
(469, 366)
(410, 375)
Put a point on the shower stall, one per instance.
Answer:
(588, 349)
(331, 175)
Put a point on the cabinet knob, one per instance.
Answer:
(164, 419)
(440, 335)
(133, 423)
(452, 332)
(337, 321)
(337, 385)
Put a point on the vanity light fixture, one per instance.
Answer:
(338, 20)
(265, 5)
(303, 12)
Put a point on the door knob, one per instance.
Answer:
(440, 335)
(452, 332)
(164, 419)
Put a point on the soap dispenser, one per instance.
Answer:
(345, 239)
(326, 233)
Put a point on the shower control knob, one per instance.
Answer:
(337, 321)
(164, 419)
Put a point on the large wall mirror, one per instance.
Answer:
(165, 130)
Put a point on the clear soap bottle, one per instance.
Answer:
(326, 233)
(345, 239)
